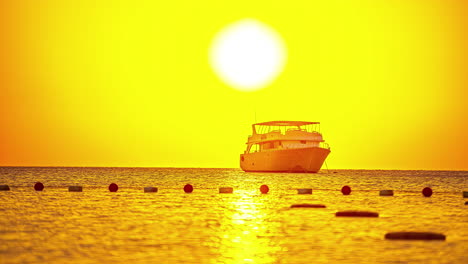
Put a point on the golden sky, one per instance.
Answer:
(129, 83)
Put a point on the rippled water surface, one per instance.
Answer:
(97, 226)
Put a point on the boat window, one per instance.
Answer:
(277, 144)
(303, 142)
(268, 145)
(254, 148)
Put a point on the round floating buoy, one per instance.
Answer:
(386, 193)
(75, 188)
(4, 188)
(113, 187)
(357, 214)
(150, 189)
(427, 192)
(188, 188)
(465, 194)
(415, 236)
(38, 186)
(264, 189)
(226, 190)
(346, 190)
(304, 191)
(308, 206)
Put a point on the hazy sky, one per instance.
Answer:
(129, 83)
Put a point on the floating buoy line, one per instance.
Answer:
(264, 189)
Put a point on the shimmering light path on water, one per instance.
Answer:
(170, 226)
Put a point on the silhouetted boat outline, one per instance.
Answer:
(295, 146)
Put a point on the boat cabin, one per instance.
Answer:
(276, 135)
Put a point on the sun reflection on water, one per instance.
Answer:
(248, 232)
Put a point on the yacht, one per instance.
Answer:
(285, 146)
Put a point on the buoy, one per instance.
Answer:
(113, 187)
(225, 190)
(4, 188)
(75, 188)
(188, 188)
(466, 203)
(264, 189)
(308, 206)
(427, 192)
(465, 194)
(357, 214)
(150, 189)
(415, 236)
(304, 191)
(386, 193)
(346, 190)
(38, 186)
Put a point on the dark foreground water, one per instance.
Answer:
(97, 226)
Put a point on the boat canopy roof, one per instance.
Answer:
(285, 123)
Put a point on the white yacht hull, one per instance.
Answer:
(285, 160)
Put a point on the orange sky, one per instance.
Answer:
(128, 83)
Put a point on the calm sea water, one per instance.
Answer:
(97, 226)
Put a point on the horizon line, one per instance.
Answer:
(172, 167)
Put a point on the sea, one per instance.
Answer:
(246, 226)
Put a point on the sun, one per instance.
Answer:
(247, 55)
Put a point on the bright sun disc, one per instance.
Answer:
(247, 55)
